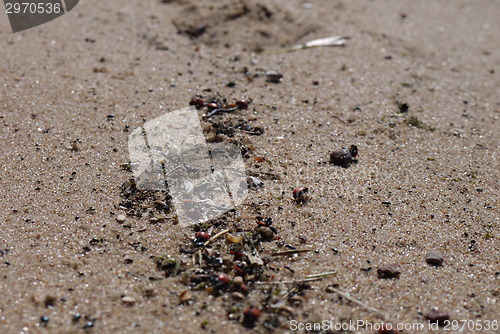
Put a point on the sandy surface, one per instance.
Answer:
(63, 252)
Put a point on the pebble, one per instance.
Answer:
(266, 233)
(387, 272)
(437, 316)
(121, 218)
(127, 300)
(274, 76)
(344, 156)
(185, 296)
(88, 324)
(237, 295)
(238, 280)
(434, 258)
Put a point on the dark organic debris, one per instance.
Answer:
(403, 107)
(137, 202)
(217, 105)
(169, 265)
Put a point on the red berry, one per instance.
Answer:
(197, 101)
(223, 278)
(250, 316)
(202, 236)
(212, 106)
(242, 104)
(244, 289)
(299, 193)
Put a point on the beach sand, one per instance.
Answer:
(416, 88)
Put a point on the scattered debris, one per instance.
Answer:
(169, 265)
(388, 272)
(434, 258)
(345, 156)
(217, 105)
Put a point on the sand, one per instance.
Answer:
(426, 178)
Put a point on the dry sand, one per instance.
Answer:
(62, 251)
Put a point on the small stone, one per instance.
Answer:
(88, 324)
(274, 76)
(434, 258)
(266, 233)
(121, 218)
(184, 296)
(238, 280)
(44, 319)
(129, 301)
(238, 295)
(388, 272)
(344, 156)
(437, 316)
(254, 182)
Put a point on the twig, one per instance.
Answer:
(293, 251)
(218, 110)
(355, 301)
(322, 274)
(290, 282)
(340, 119)
(218, 235)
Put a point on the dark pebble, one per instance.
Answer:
(387, 272)
(434, 258)
(44, 319)
(437, 316)
(88, 324)
(344, 156)
(273, 76)
(76, 317)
